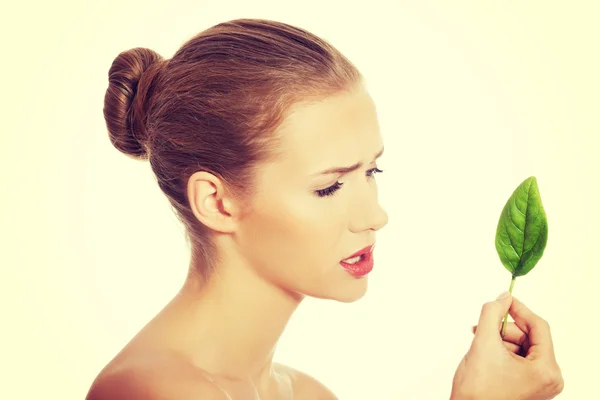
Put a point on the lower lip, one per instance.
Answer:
(361, 268)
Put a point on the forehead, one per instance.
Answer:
(337, 131)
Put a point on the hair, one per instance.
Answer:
(216, 106)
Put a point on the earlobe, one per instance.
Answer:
(206, 195)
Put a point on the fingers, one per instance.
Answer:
(513, 334)
(515, 340)
(513, 348)
(536, 328)
(492, 313)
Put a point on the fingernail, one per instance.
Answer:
(503, 295)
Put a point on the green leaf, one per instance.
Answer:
(522, 231)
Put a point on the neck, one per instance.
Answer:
(230, 324)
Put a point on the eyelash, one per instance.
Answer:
(336, 186)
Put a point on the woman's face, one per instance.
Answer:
(302, 225)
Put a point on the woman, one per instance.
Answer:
(265, 141)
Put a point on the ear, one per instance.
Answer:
(209, 202)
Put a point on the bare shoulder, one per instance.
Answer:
(155, 377)
(304, 385)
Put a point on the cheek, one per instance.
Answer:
(297, 237)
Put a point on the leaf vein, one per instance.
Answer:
(513, 221)
(510, 241)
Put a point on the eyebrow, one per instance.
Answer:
(345, 170)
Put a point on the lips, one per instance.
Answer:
(360, 252)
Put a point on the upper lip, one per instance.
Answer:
(361, 251)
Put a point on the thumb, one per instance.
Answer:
(492, 314)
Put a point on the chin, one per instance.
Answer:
(354, 291)
(347, 291)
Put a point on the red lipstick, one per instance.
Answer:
(363, 266)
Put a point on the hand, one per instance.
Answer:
(522, 366)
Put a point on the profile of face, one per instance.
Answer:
(303, 223)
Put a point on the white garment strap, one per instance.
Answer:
(206, 374)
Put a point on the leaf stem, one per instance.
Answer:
(512, 284)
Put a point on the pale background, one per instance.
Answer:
(473, 98)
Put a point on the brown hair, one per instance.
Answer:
(215, 106)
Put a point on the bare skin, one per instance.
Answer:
(522, 365)
(157, 363)
(217, 337)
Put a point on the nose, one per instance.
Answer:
(367, 213)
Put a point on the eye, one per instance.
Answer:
(336, 186)
(330, 190)
(374, 171)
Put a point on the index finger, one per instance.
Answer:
(536, 328)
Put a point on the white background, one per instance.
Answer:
(473, 98)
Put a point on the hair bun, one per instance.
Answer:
(130, 78)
